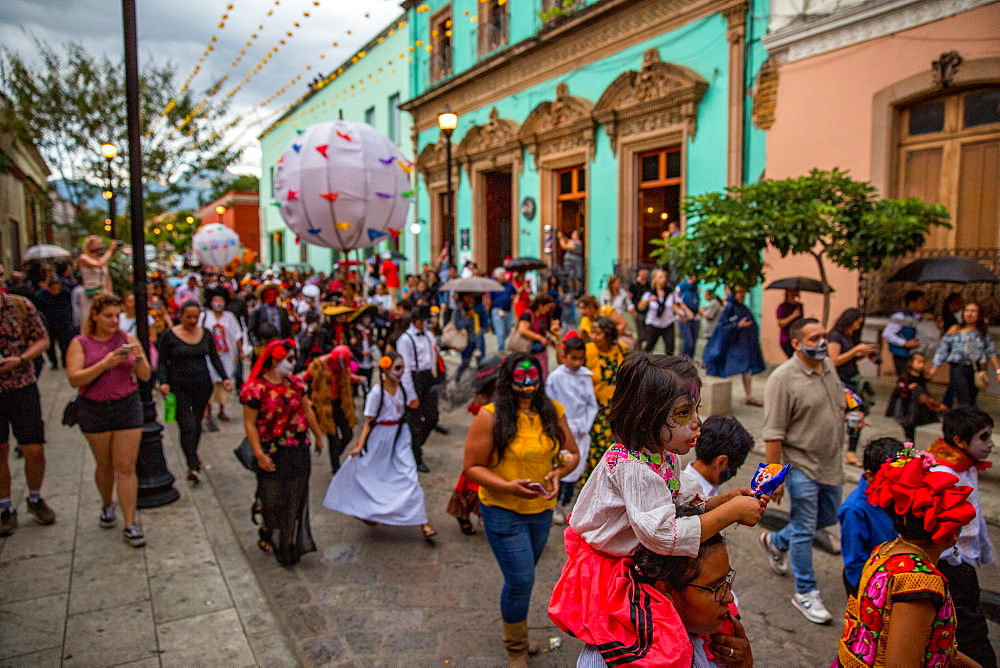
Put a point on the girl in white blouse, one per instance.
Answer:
(631, 500)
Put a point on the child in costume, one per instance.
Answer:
(630, 500)
(910, 404)
(964, 451)
(863, 527)
(378, 483)
(572, 384)
(903, 614)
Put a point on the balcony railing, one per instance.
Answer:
(878, 297)
(441, 64)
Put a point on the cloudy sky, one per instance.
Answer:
(178, 31)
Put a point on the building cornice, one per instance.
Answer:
(860, 23)
(589, 35)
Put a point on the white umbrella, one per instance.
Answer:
(45, 252)
(343, 185)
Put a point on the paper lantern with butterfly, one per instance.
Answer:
(215, 245)
(342, 185)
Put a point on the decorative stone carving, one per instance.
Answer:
(658, 95)
(560, 125)
(765, 95)
(497, 137)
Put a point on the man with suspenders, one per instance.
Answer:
(419, 351)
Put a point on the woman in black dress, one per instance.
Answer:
(183, 350)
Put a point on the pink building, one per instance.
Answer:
(904, 93)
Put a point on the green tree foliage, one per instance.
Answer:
(68, 102)
(827, 215)
(239, 183)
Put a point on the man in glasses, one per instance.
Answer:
(22, 339)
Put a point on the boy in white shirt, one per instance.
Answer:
(719, 453)
(572, 384)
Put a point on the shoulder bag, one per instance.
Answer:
(517, 342)
(980, 378)
(453, 337)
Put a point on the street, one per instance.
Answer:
(371, 596)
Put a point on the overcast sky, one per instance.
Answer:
(179, 30)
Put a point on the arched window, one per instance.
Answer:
(949, 153)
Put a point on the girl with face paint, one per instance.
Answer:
(513, 454)
(277, 416)
(631, 499)
(378, 483)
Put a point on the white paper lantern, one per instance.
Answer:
(215, 245)
(342, 185)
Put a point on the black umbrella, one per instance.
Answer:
(524, 264)
(945, 270)
(800, 283)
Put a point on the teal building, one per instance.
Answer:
(588, 115)
(369, 87)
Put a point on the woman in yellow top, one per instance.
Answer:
(590, 310)
(518, 449)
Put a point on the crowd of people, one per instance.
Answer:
(580, 420)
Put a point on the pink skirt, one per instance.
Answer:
(601, 600)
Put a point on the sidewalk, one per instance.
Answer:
(75, 594)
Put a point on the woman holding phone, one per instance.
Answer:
(103, 363)
(518, 449)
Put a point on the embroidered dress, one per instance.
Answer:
(284, 492)
(604, 367)
(887, 580)
(629, 500)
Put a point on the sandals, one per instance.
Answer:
(753, 401)
(428, 532)
(466, 526)
(371, 523)
(264, 538)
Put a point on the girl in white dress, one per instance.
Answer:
(378, 483)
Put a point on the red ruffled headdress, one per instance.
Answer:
(907, 486)
(276, 350)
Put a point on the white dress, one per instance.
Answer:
(226, 332)
(381, 483)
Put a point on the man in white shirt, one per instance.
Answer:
(721, 449)
(189, 291)
(419, 351)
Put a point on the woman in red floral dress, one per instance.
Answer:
(277, 416)
(901, 588)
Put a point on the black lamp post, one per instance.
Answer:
(109, 151)
(156, 483)
(448, 121)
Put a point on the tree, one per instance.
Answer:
(239, 183)
(71, 102)
(827, 215)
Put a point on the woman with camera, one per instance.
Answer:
(185, 351)
(104, 363)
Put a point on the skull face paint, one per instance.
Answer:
(396, 370)
(527, 380)
(683, 427)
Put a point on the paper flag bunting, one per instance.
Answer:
(330, 196)
(322, 149)
(376, 234)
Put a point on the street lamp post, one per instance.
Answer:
(448, 121)
(109, 151)
(156, 483)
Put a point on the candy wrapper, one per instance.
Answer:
(768, 478)
(852, 399)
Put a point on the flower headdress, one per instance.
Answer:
(276, 350)
(908, 486)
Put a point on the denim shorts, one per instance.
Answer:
(98, 417)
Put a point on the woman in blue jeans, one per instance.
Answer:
(518, 449)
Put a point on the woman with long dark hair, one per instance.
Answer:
(845, 349)
(966, 347)
(536, 324)
(518, 449)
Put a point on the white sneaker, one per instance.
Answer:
(811, 606)
(559, 516)
(776, 559)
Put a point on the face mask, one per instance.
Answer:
(817, 353)
(218, 306)
(270, 297)
(526, 380)
(284, 368)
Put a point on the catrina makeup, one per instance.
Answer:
(683, 426)
(527, 380)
